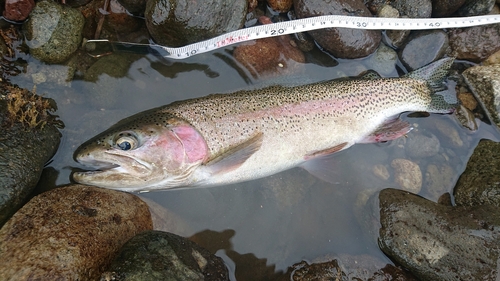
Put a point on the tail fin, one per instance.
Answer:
(444, 100)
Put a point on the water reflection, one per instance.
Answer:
(264, 226)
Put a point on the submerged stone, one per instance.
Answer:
(438, 242)
(157, 255)
(423, 47)
(480, 182)
(69, 233)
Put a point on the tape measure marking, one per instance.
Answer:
(314, 23)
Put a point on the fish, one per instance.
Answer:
(222, 139)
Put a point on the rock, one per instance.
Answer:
(467, 99)
(423, 47)
(383, 61)
(474, 43)
(439, 179)
(340, 42)
(269, 56)
(475, 8)
(25, 145)
(18, 10)
(119, 21)
(466, 118)
(381, 172)
(395, 38)
(493, 59)
(480, 182)
(135, 7)
(444, 8)
(484, 81)
(438, 242)
(347, 267)
(407, 175)
(156, 255)
(413, 8)
(177, 23)
(53, 32)
(422, 145)
(69, 233)
(449, 133)
(280, 6)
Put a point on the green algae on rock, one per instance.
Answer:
(53, 31)
(69, 233)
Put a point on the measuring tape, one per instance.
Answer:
(313, 23)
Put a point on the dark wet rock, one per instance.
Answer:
(444, 8)
(474, 43)
(77, 3)
(423, 47)
(493, 59)
(18, 10)
(304, 41)
(269, 56)
(340, 42)
(413, 8)
(156, 255)
(177, 23)
(407, 175)
(475, 8)
(422, 145)
(480, 182)
(280, 6)
(69, 233)
(347, 267)
(53, 31)
(484, 81)
(25, 145)
(119, 21)
(135, 7)
(438, 242)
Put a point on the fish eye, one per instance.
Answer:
(126, 142)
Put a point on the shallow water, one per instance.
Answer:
(264, 226)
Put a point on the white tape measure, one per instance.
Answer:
(313, 23)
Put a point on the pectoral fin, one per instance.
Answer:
(390, 130)
(235, 156)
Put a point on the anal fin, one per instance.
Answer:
(389, 130)
(235, 156)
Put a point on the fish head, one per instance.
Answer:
(150, 151)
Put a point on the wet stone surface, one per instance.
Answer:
(423, 47)
(69, 233)
(53, 31)
(480, 182)
(474, 43)
(484, 81)
(177, 23)
(23, 153)
(157, 255)
(340, 42)
(431, 240)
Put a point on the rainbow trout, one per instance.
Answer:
(228, 138)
